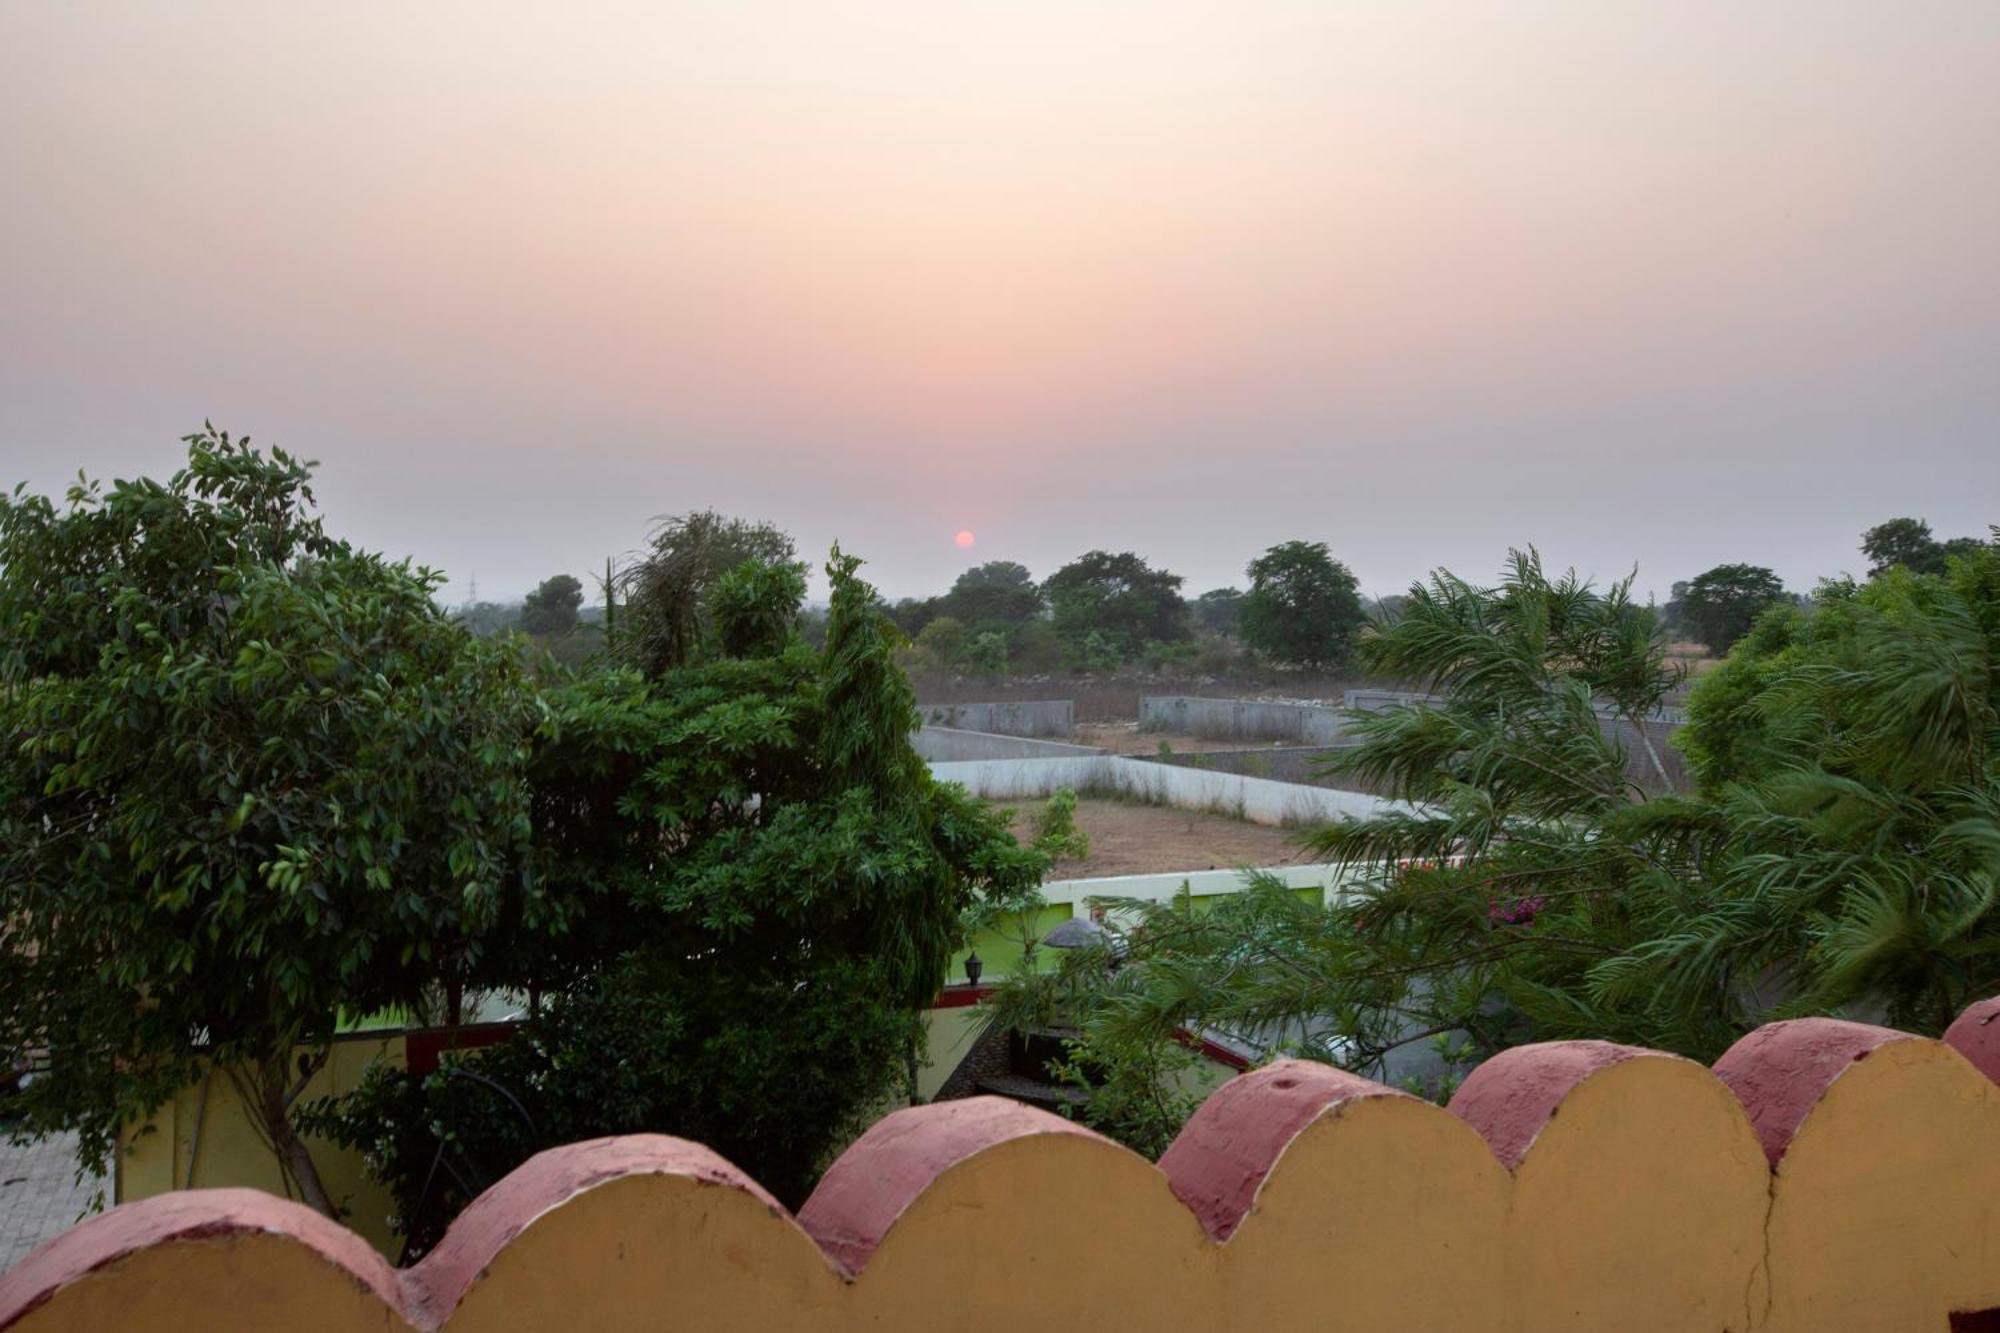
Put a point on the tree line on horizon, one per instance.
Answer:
(1106, 611)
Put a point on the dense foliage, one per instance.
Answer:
(1841, 855)
(254, 778)
(1907, 543)
(998, 591)
(1119, 598)
(552, 607)
(1303, 607)
(665, 612)
(1718, 607)
(1105, 612)
(781, 886)
(259, 782)
(1218, 611)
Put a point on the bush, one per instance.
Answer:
(987, 653)
(1056, 832)
(944, 639)
(1100, 652)
(1035, 648)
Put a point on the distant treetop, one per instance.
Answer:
(1908, 542)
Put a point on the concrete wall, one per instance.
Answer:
(1280, 763)
(1258, 800)
(204, 1138)
(1825, 1176)
(950, 745)
(1046, 717)
(1239, 719)
(1198, 884)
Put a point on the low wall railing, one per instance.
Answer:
(1824, 1175)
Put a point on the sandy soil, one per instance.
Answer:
(1128, 839)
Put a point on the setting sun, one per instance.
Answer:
(965, 539)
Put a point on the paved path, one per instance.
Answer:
(39, 1195)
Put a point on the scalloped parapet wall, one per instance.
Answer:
(1825, 1175)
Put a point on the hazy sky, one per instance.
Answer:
(1666, 284)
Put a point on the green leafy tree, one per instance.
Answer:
(1303, 607)
(1719, 606)
(1119, 598)
(1902, 541)
(1034, 646)
(1219, 611)
(756, 608)
(552, 607)
(987, 653)
(665, 620)
(775, 886)
(254, 778)
(911, 614)
(1733, 732)
(998, 591)
(944, 639)
(1908, 542)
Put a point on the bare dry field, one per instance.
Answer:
(1132, 839)
(1694, 658)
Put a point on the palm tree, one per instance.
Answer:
(1841, 853)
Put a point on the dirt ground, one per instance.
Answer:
(1131, 839)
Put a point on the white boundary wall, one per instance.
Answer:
(1166, 886)
(1258, 800)
(1239, 719)
(1040, 717)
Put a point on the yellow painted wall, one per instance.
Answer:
(1000, 947)
(155, 1158)
(1843, 1180)
(951, 1033)
(1887, 1204)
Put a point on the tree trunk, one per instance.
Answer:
(293, 1157)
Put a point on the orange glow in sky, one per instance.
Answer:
(1169, 276)
(964, 540)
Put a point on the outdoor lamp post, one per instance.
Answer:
(973, 967)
